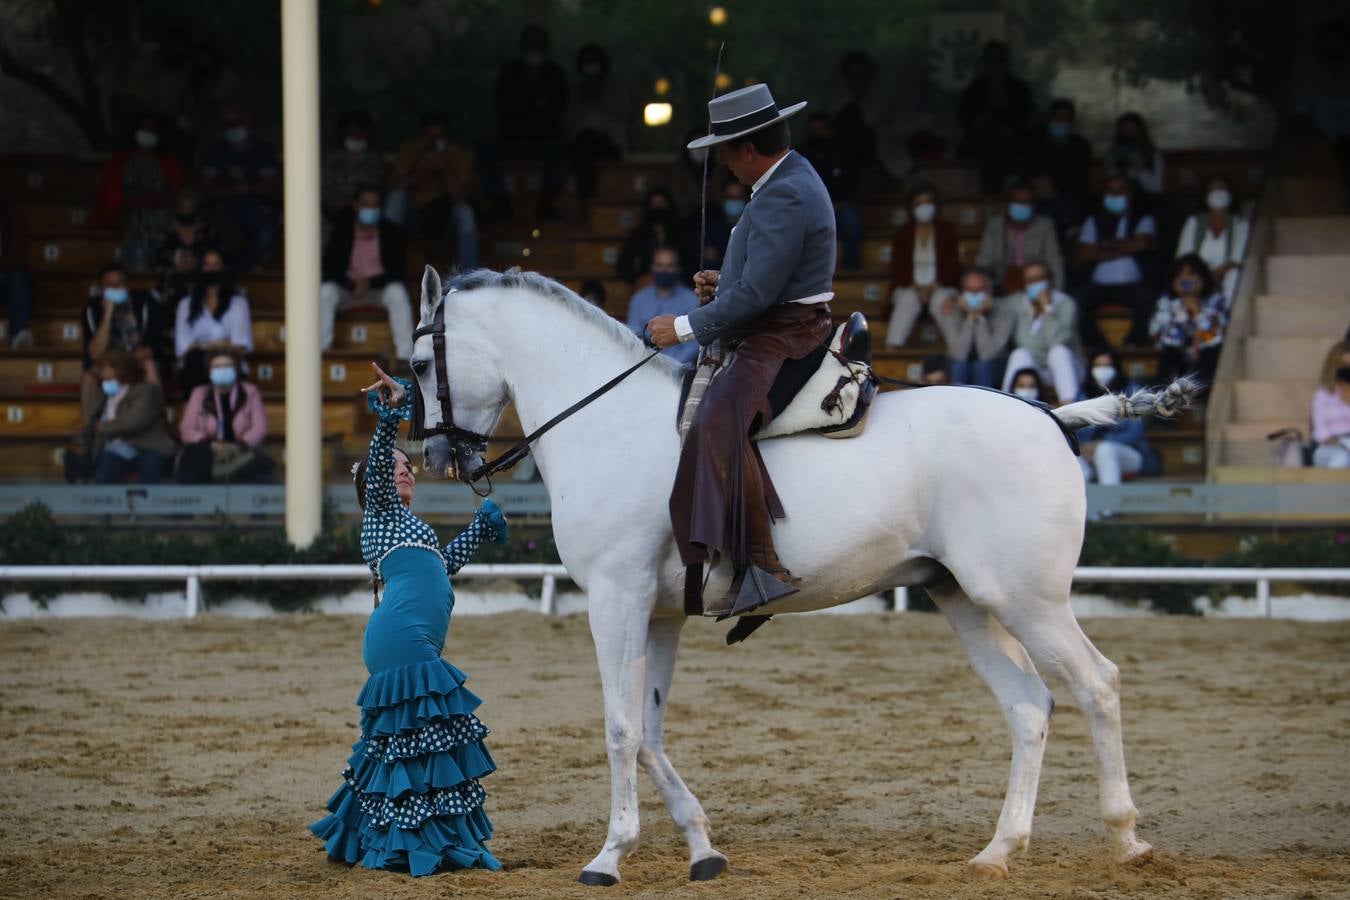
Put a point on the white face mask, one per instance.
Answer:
(1103, 374)
(924, 212)
(1219, 199)
(1027, 393)
(355, 145)
(146, 140)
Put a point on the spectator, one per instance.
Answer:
(936, 370)
(1059, 208)
(975, 327)
(433, 178)
(1026, 383)
(599, 118)
(925, 264)
(120, 320)
(593, 292)
(1218, 235)
(182, 246)
(214, 317)
(1331, 411)
(211, 82)
(1117, 241)
(364, 262)
(838, 165)
(994, 112)
(241, 173)
(665, 296)
(1017, 236)
(223, 428)
(1045, 332)
(134, 191)
(1189, 322)
(859, 109)
(126, 430)
(14, 283)
(686, 176)
(722, 217)
(1109, 453)
(1062, 155)
(531, 99)
(1321, 83)
(355, 163)
(659, 227)
(1134, 155)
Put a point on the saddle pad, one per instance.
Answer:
(827, 401)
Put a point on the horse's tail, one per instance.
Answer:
(1108, 409)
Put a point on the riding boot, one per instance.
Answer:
(761, 577)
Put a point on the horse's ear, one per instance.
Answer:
(431, 293)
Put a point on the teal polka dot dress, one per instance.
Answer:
(410, 799)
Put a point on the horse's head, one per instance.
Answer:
(460, 390)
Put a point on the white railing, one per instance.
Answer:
(193, 576)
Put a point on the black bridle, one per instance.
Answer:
(474, 440)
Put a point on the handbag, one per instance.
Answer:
(1292, 450)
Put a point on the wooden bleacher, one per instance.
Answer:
(39, 387)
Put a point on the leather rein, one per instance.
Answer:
(478, 441)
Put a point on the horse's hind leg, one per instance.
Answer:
(1052, 636)
(1026, 703)
(663, 639)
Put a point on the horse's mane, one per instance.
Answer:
(543, 286)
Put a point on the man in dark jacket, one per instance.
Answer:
(363, 264)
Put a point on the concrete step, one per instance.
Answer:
(1245, 443)
(1279, 315)
(1312, 234)
(1287, 357)
(1273, 400)
(1317, 195)
(1267, 474)
(1316, 275)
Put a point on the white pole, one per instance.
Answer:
(901, 599)
(548, 596)
(304, 396)
(1263, 597)
(194, 596)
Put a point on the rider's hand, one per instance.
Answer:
(662, 331)
(391, 393)
(705, 285)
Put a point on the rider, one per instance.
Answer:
(770, 307)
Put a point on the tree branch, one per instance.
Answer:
(49, 86)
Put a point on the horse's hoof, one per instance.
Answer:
(597, 879)
(708, 869)
(1138, 856)
(988, 870)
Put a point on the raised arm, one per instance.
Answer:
(488, 524)
(387, 400)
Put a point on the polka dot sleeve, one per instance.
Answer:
(488, 524)
(381, 497)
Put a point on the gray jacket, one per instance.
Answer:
(1059, 327)
(1039, 244)
(782, 249)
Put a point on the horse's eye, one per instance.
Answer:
(419, 367)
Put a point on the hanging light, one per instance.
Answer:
(724, 81)
(662, 86)
(718, 15)
(657, 114)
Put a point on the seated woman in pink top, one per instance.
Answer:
(1331, 411)
(223, 428)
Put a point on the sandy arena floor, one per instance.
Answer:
(844, 755)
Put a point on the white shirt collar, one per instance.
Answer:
(769, 174)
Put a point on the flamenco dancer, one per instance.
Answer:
(410, 799)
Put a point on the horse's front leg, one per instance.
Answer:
(619, 628)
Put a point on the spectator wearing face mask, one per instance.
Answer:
(1218, 234)
(1062, 154)
(598, 118)
(665, 296)
(214, 317)
(1020, 234)
(182, 246)
(1331, 411)
(1117, 241)
(134, 193)
(1026, 383)
(1134, 156)
(838, 164)
(242, 174)
(125, 432)
(355, 163)
(994, 111)
(659, 227)
(364, 262)
(975, 327)
(530, 98)
(223, 428)
(120, 320)
(925, 264)
(1045, 332)
(723, 215)
(1189, 322)
(433, 191)
(936, 370)
(1109, 453)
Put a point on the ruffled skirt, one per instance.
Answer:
(410, 799)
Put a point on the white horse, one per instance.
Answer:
(972, 493)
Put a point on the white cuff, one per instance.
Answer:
(683, 330)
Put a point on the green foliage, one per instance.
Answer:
(1105, 545)
(1323, 548)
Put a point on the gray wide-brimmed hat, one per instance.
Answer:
(742, 112)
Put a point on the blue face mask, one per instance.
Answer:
(1020, 212)
(111, 386)
(665, 280)
(733, 208)
(223, 377)
(115, 295)
(973, 298)
(1059, 130)
(1036, 288)
(1188, 285)
(368, 215)
(1115, 203)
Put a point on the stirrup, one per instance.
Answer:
(759, 586)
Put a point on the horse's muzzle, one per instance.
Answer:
(444, 458)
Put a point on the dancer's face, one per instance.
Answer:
(404, 480)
